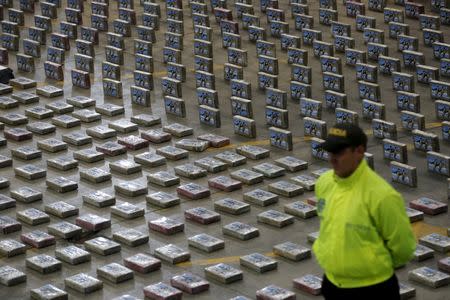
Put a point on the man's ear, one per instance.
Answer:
(360, 150)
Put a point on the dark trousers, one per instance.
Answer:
(386, 290)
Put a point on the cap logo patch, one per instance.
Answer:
(338, 132)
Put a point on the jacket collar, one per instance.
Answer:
(354, 177)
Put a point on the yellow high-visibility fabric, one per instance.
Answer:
(364, 230)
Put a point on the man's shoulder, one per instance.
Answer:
(326, 176)
(325, 179)
(376, 183)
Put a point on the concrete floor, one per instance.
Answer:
(428, 184)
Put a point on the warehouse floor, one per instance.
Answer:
(429, 185)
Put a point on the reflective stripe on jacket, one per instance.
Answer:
(364, 231)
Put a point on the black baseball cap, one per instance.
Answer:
(341, 136)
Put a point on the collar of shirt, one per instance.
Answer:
(354, 177)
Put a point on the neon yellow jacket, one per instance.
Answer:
(364, 231)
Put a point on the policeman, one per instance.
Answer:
(365, 232)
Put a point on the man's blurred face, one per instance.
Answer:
(346, 161)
